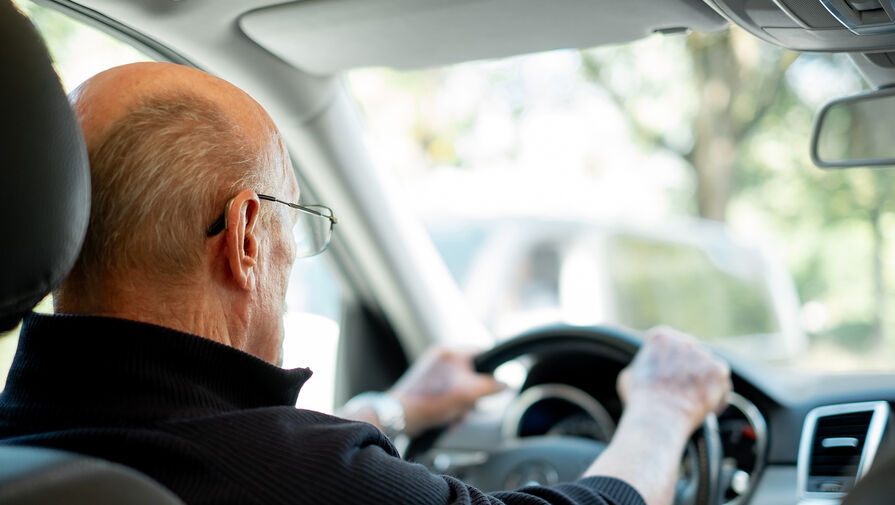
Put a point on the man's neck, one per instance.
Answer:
(189, 311)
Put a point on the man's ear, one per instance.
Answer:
(241, 238)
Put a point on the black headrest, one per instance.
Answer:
(44, 175)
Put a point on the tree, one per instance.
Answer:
(735, 87)
(744, 103)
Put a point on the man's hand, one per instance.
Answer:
(440, 388)
(669, 388)
(673, 371)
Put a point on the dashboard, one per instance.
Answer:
(562, 410)
(771, 418)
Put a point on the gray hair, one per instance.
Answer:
(162, 174)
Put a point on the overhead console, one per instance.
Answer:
(324, 37)
(865, 26)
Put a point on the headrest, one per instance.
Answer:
(44, 174)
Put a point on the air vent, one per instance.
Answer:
(836, 451)
(838, 445)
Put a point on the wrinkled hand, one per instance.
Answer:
(440, 388)
(672, 371)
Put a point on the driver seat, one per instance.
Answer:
(45, 204)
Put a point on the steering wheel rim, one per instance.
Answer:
(616, 344)
(559, 338)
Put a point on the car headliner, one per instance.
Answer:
(323, 37)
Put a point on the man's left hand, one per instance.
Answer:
(440, 388)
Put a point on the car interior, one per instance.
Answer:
(785, 439)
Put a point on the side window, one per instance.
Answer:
(78, 52)
(313, 312)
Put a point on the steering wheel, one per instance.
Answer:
(550, 459)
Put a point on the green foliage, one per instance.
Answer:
(749, 152)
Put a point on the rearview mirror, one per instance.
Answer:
(856, 131)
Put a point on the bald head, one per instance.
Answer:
(109, 96)
(168, 146)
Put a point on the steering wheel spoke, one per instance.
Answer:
(543, 460)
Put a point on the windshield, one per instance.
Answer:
(662, 181)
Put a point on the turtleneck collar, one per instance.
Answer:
(116, 370)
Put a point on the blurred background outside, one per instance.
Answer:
(662, 181)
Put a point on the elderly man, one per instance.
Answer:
(163, 355)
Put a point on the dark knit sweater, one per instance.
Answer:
(216, 425)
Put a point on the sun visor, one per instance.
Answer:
(817, 25)
(328, 36)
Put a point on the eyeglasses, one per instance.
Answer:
(313, 230)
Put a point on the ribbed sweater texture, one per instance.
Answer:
(218, 426)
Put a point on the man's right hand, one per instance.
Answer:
(673, 371)
(669, 388)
